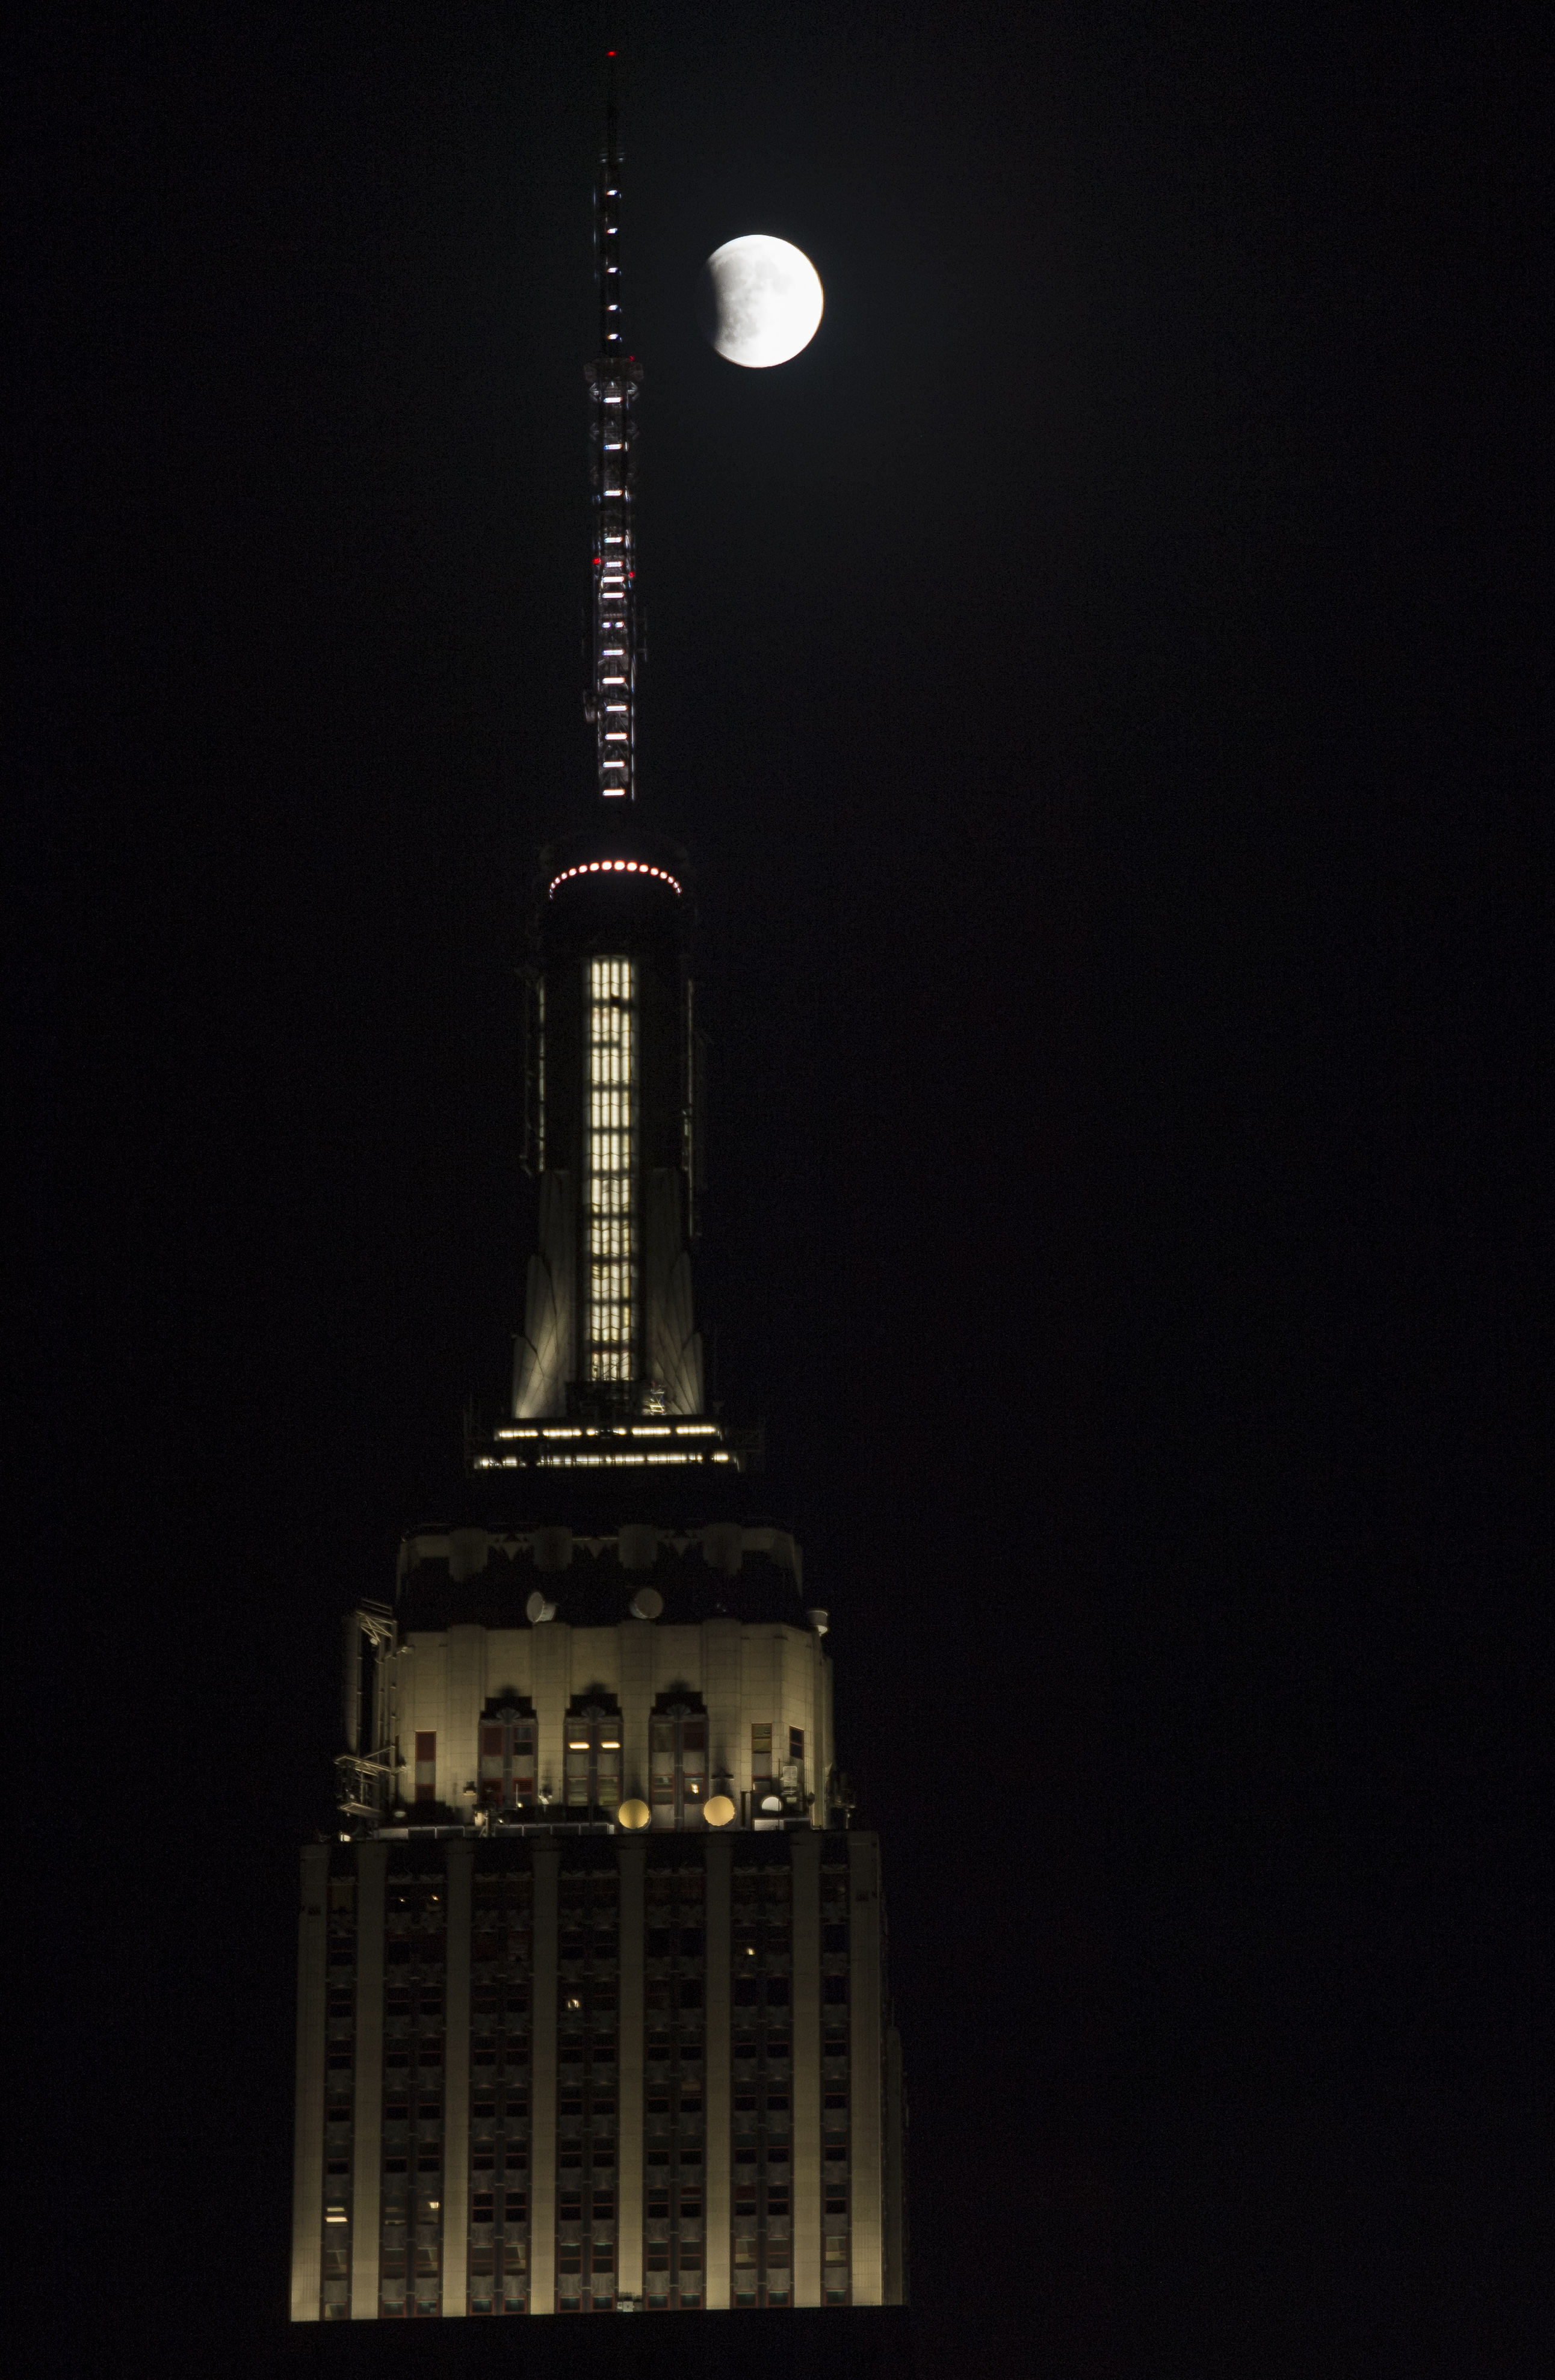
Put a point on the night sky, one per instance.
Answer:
(1101, 682)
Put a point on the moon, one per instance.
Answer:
(760, 301)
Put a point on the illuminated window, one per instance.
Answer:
(613, 1247)
(592, 1758)
(761, 1751)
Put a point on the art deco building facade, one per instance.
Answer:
(592, 2011)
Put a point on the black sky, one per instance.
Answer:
(1103, 683)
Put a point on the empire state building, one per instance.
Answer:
(592, 2005)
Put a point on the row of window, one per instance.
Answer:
(591, 1759)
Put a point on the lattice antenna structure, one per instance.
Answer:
(613, 380)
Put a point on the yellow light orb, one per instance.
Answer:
(634, 1814)
(719, 1811)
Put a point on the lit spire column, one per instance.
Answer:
(613, 380)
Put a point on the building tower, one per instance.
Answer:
(592, 2013)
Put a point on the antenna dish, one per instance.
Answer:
(719, 1811)
(539, 1609)
(634, 1815)
(819, 1621)
(647, 1604)
(771, 1802)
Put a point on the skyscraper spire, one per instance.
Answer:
(613, 379)
(592, 2006)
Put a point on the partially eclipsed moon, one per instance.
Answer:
(760, 300)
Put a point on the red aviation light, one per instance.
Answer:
(616, 867)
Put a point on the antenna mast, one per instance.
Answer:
(613, 380)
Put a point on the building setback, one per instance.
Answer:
(592, 2010)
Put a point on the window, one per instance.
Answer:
(507, 1758)
(833, 1938)
(795, 1744)
(611, 1318)
(836, 2247)
(761, 1751)
(592, 1758)
(678, 1760)
(426, 1763)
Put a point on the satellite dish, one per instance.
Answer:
(719, 1811)
(771, 1802)
(819, 1621)
(647, 1604)
(539, 1609)
(634, 1815)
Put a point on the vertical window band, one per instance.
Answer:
(612, 1317)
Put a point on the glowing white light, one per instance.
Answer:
(631, 868)
(767, 298)
(611, 1166)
